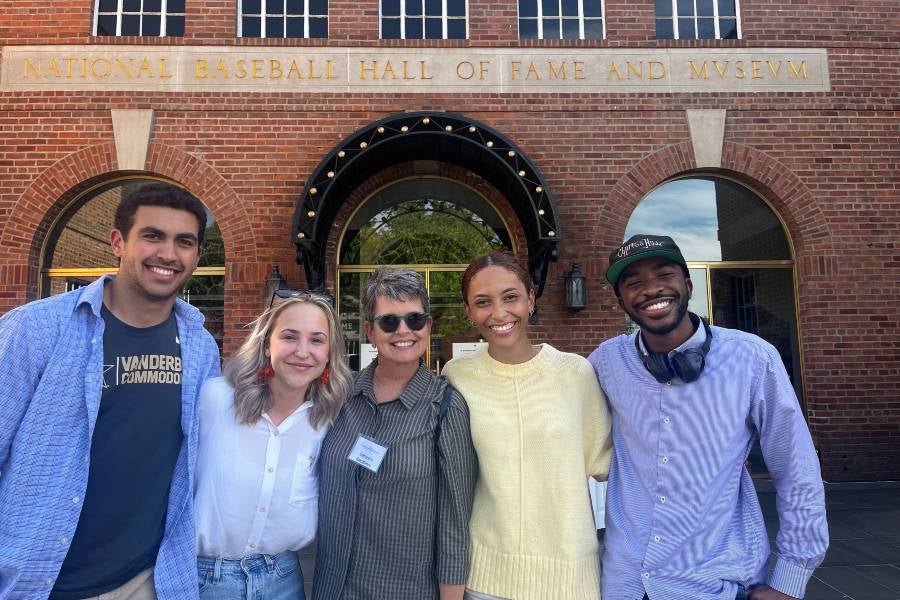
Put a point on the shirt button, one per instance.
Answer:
(662, 499)
(646, 575)
(270, 470)
(666, 420)
(665, 459)
(262, 509)
(275, 433)
(93, 340)
(76, 500)
(64, 541)
(253, 545)
(655, 538)
(49, 581)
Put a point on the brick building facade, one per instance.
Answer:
(824, 160)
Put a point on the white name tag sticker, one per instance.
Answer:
(367, 453)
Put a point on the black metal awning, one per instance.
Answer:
(436, 136)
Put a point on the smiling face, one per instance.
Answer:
(158, 254)
(499, 305)
(298, 348)
(404, 346)
(655, 293)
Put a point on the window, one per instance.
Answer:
(561, 19)
(739, 258)
(433, 225)
(139, 17)
(697, 20)
(77, 252)
(283, 18)
(424, 19)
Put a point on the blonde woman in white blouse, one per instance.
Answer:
(261, 427)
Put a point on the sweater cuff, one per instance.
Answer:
(789, 578)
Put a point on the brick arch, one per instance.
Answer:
(807, 227)
(54, 190)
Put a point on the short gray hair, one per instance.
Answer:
(396, 284)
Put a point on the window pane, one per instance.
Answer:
(150, 25)
(390, 8)
(414, 8)
(527, 8)
(706, 29)
(414, 29)
(705, 8)
(274, 7)
(433, 8)
(711, 219)
(550, 8)
(274, 27)
(570, 8)
(131, 5)
(528, 29)
(131, 25)
(152, 5)
(685, 8)
(664, 29)
(686, 29)
(456, 8)
(698, 304)
(294, 27)
(252, 7)
(251, 27)
(759, 301)
(570, 29)
(593, 8)
(108, 6)
(728, 29)
(318, 27)
(390, 29)
(433, 29)
(456, 29)
(175, 6)
(295, 7)
(593, 29)
(663, 8)
(726, 8)
(318, 7)
(175, 26)
(551, 29)
(106, 25)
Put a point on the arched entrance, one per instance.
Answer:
(432, 223)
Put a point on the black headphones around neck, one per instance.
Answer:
(685, 365)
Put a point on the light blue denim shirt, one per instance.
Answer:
(51, 371)
(683, 521)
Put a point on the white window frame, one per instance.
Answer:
(674, 18)
(264, 14)
(163, 17)
(403, 16)
(581, 19)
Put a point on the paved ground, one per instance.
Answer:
(863, 560)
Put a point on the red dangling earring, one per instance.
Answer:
(265, 374)
(326, 376)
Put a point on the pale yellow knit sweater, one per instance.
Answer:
(540, 429)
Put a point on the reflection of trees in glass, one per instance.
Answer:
(422, 232)
(213, 246)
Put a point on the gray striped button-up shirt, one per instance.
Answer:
(377, 530)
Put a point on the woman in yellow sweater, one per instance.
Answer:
(540, 427)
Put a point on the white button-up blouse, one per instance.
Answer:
(256, 489)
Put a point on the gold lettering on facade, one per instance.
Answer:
(30, 66)
(656, 74)
(163, 73)
(241, 65)
(257, 68)
(793, 72)
(754, 68)
(364, 68)
(101, 74)
(275, 71)
(389, 68)
(773, 70)
(201, 69)
(701, 73)
(123, 68)
(465, 70)
(52, 66)
(614, 70)
(558, 71)
(579, 69)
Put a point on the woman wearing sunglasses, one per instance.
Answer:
(261, 429)
(396, 493)
(541, 428)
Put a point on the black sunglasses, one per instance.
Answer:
(285, 294)
(390, 323)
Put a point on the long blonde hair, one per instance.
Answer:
(252, 397)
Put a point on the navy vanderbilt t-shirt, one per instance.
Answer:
(136, 443)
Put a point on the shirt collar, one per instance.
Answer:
(695, 341)
(92, 296)
(422, 385)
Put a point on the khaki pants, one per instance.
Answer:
(139, 587)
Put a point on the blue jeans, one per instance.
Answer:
(257, 577)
